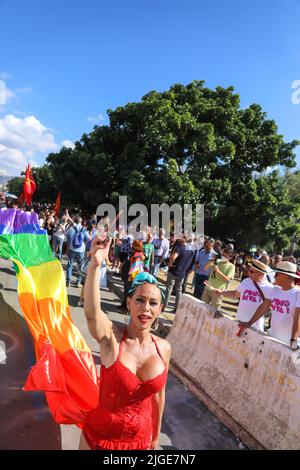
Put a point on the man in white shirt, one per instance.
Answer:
(161, 250)
(285, 304)
(252, 292)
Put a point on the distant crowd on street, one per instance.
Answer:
(267, 285)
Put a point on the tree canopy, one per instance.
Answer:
(189, 144)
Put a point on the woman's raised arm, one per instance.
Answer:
(100, 327)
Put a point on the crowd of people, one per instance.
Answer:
(209, 264)
(134, 364)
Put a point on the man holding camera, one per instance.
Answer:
(222, 271)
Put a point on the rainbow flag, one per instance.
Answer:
(65, 369)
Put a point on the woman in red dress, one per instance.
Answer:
(134, 366)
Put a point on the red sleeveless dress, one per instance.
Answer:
(123, 417)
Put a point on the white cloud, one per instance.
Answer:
(24, 91)
(97, 118)
(4, 76)
(20, 140)
(7, 95)
(68, 144)
(19, 113)
(33, 164)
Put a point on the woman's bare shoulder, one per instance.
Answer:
(164, 346)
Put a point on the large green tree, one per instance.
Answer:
(188, 144)
(15, 185)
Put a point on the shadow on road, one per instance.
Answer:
(11, 272)
(73, 299)
(26, 422)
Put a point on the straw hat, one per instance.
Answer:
(285, 267)
(258, 266)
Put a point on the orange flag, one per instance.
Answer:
(57, 204)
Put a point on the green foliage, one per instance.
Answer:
(15, 185)
(46, 188)
(188, 144)
(293, 185)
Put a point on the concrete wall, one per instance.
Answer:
(251, 379)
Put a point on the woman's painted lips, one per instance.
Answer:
(144, 318)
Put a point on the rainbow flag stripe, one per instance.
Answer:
(65, 369)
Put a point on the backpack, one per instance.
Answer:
(77, 238)
(126, 246)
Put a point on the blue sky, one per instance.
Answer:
(65, 63)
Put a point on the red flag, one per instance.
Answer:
(29, 187)
(21, 198)
(32, 182)
(57, 204)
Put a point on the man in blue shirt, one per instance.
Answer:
(77, 235)
(203, 256)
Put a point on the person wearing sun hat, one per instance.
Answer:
(252, 292)
(287, 268)
(285, 304)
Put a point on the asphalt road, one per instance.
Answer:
(25, 419)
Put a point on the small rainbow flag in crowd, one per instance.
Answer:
(65, 369)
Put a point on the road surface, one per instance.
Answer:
(25, 419)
